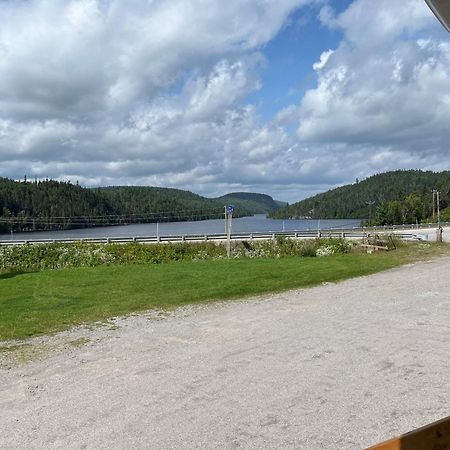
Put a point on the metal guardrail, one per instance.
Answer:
(301, 234)
(414, 226)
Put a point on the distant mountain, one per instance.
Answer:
(255, 203)
(391, 197)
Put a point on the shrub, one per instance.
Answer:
(59, 256)
(328, 247)
(325, 250)
(309, 247)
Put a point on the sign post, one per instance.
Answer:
(229, 209)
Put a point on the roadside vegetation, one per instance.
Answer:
(47, 301)
(60, 256)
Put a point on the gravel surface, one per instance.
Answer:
(339, 366)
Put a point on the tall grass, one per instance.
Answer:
(59, 256)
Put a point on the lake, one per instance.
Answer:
(253, 224)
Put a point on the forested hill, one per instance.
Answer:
(400, 196)
(151, 199)
(49, 205)
(160, 203)
(256, 203)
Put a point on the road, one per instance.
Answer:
(339, 366)
(431, 233)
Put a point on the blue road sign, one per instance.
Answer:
(230, 209)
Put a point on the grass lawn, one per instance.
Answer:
(54, 300)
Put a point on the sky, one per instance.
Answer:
(284, 97)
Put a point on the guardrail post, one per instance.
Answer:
(183, 237)
(206, 237)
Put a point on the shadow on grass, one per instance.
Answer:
(4, 276)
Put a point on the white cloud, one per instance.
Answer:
(370, 24)
(107, 91)
(287, 116)
(155, 92)
(77, 58)
(327, 17)
(324, 57)
(383, 95)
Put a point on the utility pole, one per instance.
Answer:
(438, 205)
(370, 203)
(434, 202)
(438, 201)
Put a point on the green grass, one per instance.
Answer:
(55, 300)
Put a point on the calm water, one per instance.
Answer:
(257, 223)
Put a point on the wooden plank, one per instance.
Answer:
(375, 247)
(435, 436)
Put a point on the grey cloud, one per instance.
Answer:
(76, 58)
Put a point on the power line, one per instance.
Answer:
(105, 221)
(158, 214)
(102, 216)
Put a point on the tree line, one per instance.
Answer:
(56, 205)
(396, 197)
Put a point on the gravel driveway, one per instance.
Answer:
(339, 366)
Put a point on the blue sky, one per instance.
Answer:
(290, 57)
(285, 97)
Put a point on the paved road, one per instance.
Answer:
(431, 233)
(335, 367)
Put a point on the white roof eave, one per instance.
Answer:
(441, 9)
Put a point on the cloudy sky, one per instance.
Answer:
(285, 97)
